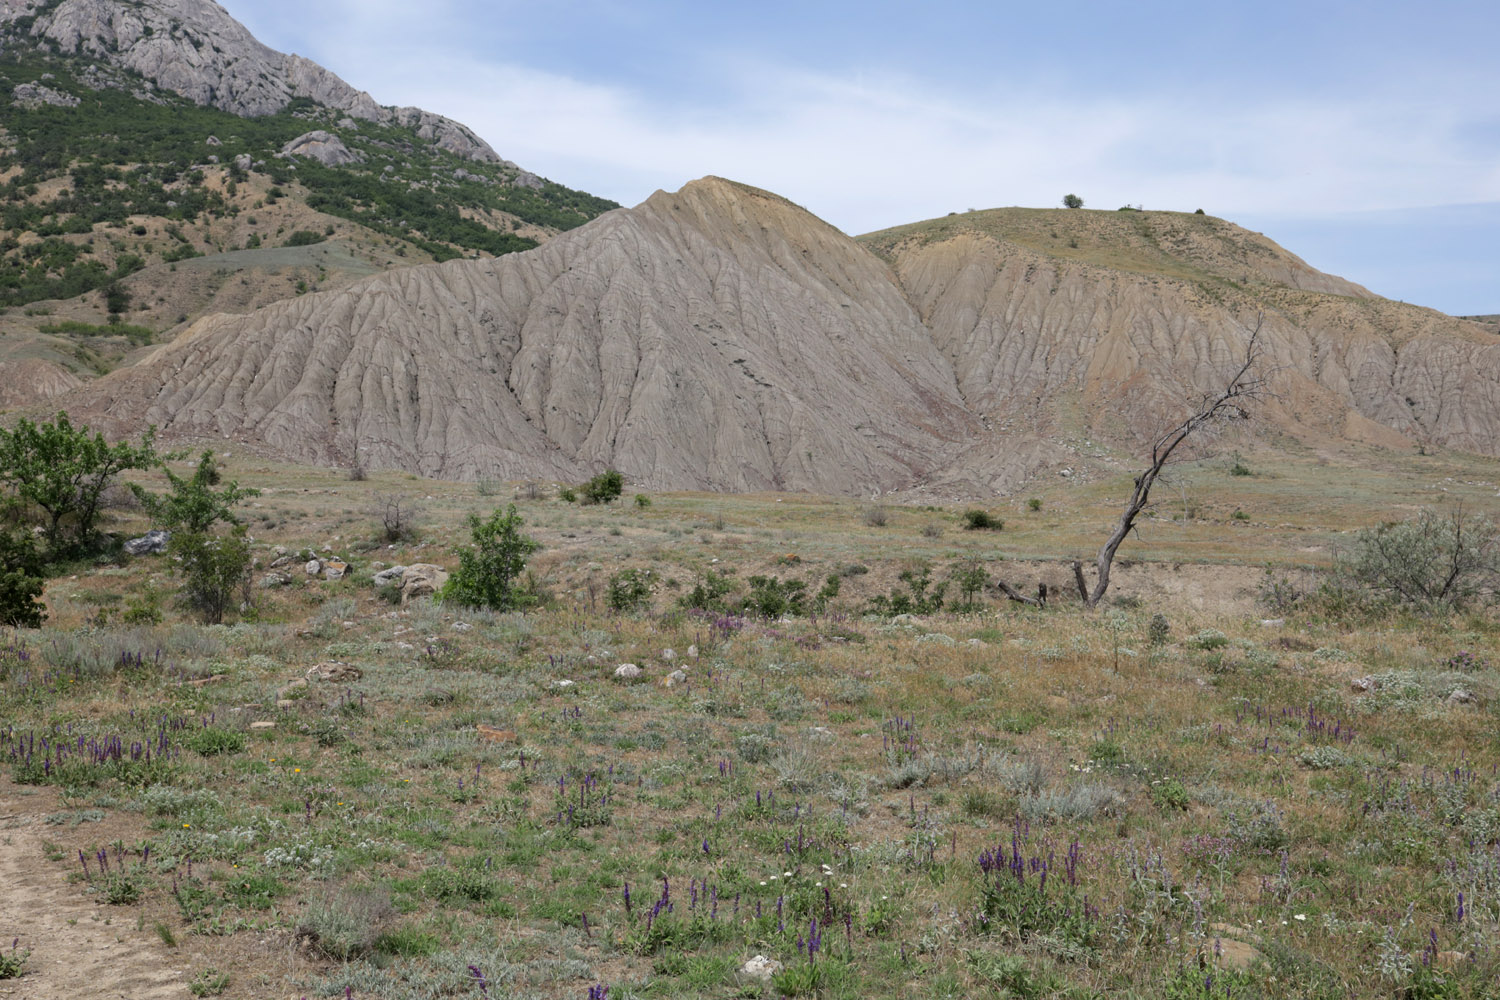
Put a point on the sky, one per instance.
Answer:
(1364, 137)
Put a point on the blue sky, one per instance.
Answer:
(1363, 137)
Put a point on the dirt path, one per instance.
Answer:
(79, 949)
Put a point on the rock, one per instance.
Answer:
(906, 620)
(562, 685)
(281, 561)
(938, 638)
(762, 968)
(243, 162)
(313, 567)
(273, 580)
(1272, 622)
(34, 95)
(978, 643)
(325, 147)
(151, 543)
(388, 576)
(339, 673)
(1363, 684)
(1460, 697)
(627, 672)
(668, 655)
(675, 678)
(692, 652)
(462, 627)
(285, 703)
(212, 140)
(264, 724)
(422, 580)
(334, 569)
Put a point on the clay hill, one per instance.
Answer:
(722, 338)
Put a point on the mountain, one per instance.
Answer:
(156, 149)
(723, 338)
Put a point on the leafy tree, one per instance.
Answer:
(64, 471)
(1072, 201)
(20, 581)
(192, 504)
(488, 571)
(603, 488)
(215, 569)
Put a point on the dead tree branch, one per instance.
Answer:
(1245, 385)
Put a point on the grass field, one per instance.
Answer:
(1182, 795)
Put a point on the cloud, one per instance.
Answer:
(868, 152)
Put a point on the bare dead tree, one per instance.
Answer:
(398, 515)
(1245, 385)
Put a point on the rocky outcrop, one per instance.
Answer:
(721, 338)
(325, 147)
(195, 49)
(31, 95)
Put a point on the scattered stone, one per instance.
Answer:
(1363, 684)
(334, 569)
(562, 684)
(693, 652)
(762, 968)
(273, 580)
(675, 678)
(243, 162)
(313, 567)
(627, 672)
(462, 627)
(339, 673)
(1272, 622)
(201, 681)
(668, 655)
(263, 724)
(325, 147)
(285, 703)
(1460, 697)
(388, 576)
(422, 580)
(212, 140)
(938, 637)
(150, 544)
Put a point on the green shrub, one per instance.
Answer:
(772, 597)
(209, 983)
(1429, 562)
(642, 501)
(13, 962)
(1034, 504)
(708, 593)
(488, 572)
(20, 582)
(215, 569)
(347, 924)
(304, 238)
(630, 590)
(211, 741)
(567, 495)
(603, 488)
(980, 520)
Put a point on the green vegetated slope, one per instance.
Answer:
(133, 178)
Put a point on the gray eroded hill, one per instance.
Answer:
(722, 338)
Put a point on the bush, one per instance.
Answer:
(1034, 504)
(398, 515)
(642, 501)
(192, 504)
(1072, 201)
(875, 517)
(20, 582)
(630, 590)
(603, 488)
(304, 238)
(211, 741)
(708, 593)
(980, 520)
(772, 597)
(215, 569)
(346, 925)
(1430, 562)
(488, 571)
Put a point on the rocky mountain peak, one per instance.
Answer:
(196, 49)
